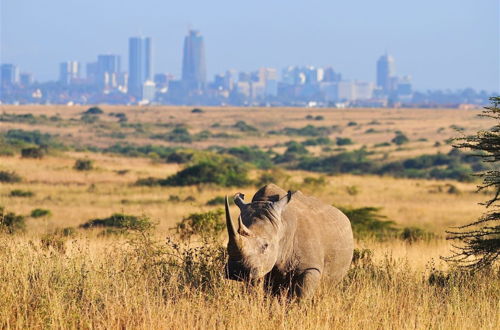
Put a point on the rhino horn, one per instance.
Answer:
(229, 223)
(238, 200)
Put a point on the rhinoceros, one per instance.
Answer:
(288, 239)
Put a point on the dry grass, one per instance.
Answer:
(113, 286)
(112, 282)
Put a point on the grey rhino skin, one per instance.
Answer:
(288, 239)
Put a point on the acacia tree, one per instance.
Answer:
(478, 243)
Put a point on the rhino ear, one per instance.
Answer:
(282, 203)
(238, 200)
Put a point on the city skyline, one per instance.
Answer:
(456, 47)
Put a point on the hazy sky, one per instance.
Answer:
(441, 43)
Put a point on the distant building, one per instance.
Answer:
(148, 91)
(194, 73)
(140, 64)
(26, 79)
(385, 71)
(69, 72)
(9, 75)
(330, 75)
(91, 73)
(108, 70)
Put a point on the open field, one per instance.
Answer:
(138, 281)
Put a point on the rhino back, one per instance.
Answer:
(323, 235)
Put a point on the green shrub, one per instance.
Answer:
(223, 171)
(94, 111)
(352, 123)
(21, 193)
(207, 224)
(308, 130)
(32, 137)
(244, 127)
(343, 141)
(83, 165)
(38, 213)
(119, 221)
(10, 222)
(400, 139)
(33, 152)
(218, 200)
(179, 134)
(367, 222)
(317, 141)
(9, 177)
(197, 110)
(89, 119)
(252, 155)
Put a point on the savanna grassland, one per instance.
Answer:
(95, 201)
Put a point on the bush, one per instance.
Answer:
(352, 123)
(83, 165)
(224, 171)
(367, 222)
(252, 155)
(208, 224)
(119, 221)
(218, 200)
(33, 152)
(344, 141)
(94, 111)
(317, 141)
(21, 193)
(400, 139)
(38, 213)
(9, 177)
(244, 127)
(308, 130)
(11, 222)
(197, 110)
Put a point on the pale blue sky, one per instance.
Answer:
(441, 43)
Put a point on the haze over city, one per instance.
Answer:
(442, 45)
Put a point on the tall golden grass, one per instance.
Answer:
(114, 284)
(48, 280)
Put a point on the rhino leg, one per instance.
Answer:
(306, 283)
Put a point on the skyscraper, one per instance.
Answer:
(68, 72)
(108, 69)
(9, 75)
(194, 72)
(385, 70)
(140, 64)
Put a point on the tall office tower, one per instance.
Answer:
(68, 72)
(331, 76)
(385, 70)
(9, 75)
(108, 69)
(194, 71)
(26, 79)
(91, 73)
(140, 64)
